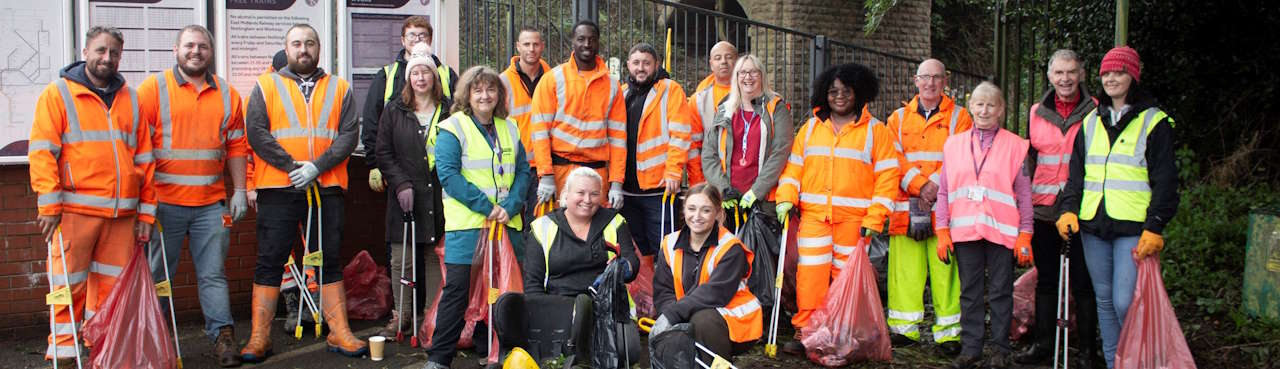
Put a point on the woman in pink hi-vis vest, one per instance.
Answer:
(986, 211)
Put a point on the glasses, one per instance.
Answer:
(416, 36)
(750, 73)
(931, 77)
(840, 93)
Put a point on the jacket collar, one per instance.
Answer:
(944, 105)
(1049, 111)
(208, 78)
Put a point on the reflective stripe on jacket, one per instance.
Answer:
(664, 136)
(579, 116)
(1053, 157)
(491, 175)
(920, 141)
(851, 175)
(743, 313)
(1118, 172)
(305, 130)
(520, 102)
(984, 205)
(193, 133)
(88, 159)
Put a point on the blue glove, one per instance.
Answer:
(748, 199)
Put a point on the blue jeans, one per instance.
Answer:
(209, 242)
(1114, 273)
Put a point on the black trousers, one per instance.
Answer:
(281, 213)
(1045, 245)
(979, 261)
(711, 330)
(450, 319)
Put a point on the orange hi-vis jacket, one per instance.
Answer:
(305, 130)
(743, 313)
(520, 102)
(88, 159)
(920, 142)
(193, 133)
(703, 104)
(579, 116)
(842, 176)
(664, 135)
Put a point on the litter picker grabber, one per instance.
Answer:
(315, 259)
(410, 236)
(544, 208)
(304, 294)
(165, 289)
(61, 296)
(495, 234)
(668, 213)
(1063, 317)
(771, 345)
(717, 362)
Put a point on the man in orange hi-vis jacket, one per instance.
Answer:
(843, 172)
(579, 120)
(91, 170)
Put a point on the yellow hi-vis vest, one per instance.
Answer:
(442, 72)
(492, 174)
(544, 230)
(1118, 171)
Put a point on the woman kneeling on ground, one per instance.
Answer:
(701, 277)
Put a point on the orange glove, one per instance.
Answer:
(1068, 223)
(1022, 249)
(945, 247)
(1148, 244)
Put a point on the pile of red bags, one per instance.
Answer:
(1151, 337)
(850, 325)
(1024, 304)
(368, 288)
(428, 326)
(129, 330)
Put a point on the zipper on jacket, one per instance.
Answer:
(71, 178)
(115, 158)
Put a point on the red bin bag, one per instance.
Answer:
(850, 325)
(1151, 337)
(368, 288)
(428, 326)
(130, 331)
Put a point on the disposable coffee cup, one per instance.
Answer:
(376, 345)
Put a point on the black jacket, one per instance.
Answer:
(1162, 172)
(716, 293)
(402, 158)
(373, 103)
(574, 263)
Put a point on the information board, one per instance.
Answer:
(36, 41)
(371, 30)
(150, 29)
(255, 32)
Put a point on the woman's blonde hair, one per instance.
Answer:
(479, 75)
(734, 99)
(574, 175)
(985, 90)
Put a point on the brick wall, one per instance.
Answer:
(23, 278)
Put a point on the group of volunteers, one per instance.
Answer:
(578, 168)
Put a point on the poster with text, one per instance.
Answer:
(255, 32)
(36, 41)
(150, 29)
(372, 39)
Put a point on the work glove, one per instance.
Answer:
(929, 192)
(1067, 224)
(239, 204)
(615, 196)
(659, 326)
(375, 180)
(748, 199)
(945, 247)
(1022, 249)
(1148, 244)
(405, 198)
(546, 188)
(731, 197)
(784, 210)
(303, 174)
(252, 196)
(921, 225)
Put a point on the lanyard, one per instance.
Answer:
(977, 166)
(746, 133)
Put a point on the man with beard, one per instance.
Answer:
(302, 126)
(579, 120)
(658, 141)
(91, 170)
(388, 82)
(197, 128)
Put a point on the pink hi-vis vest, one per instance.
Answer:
(1053, 158)
(983, 205)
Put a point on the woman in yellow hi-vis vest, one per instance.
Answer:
(479, 160)
(1123, 188)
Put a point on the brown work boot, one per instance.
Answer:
(334, 304)
(394, 328)
(264, 310)
(224, 348)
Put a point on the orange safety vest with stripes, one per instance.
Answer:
(520, 102)
(1053, 157)
(850, 175)
(983, 205)
(193, 133)
(766, 138)
(579, 116)
(920, 142)
(88, 159)
(664, 135)
(743, 313)
(304, 129)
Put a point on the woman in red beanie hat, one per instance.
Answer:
(1123, 188)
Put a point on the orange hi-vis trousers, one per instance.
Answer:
(96, 250)
(823, 248)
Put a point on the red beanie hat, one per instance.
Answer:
(1122, 59)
